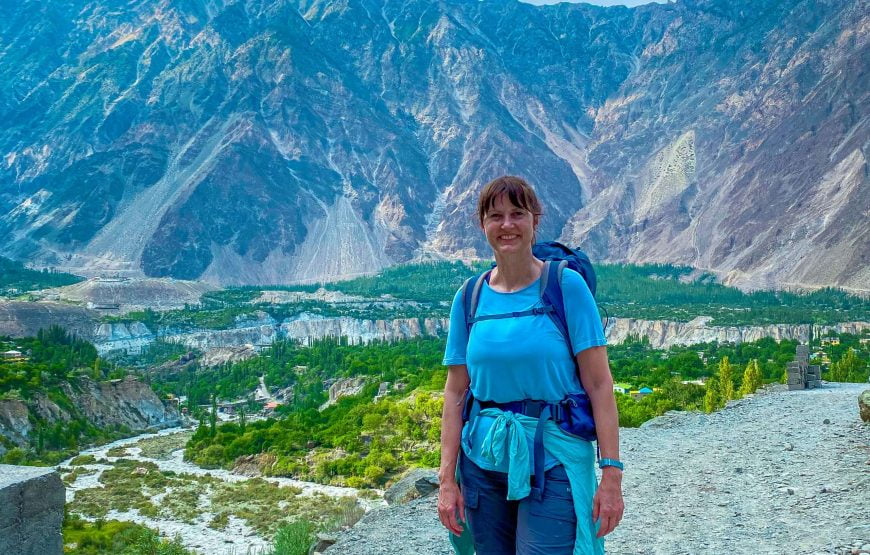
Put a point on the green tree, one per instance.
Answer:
(212, 417)
(751, 378)
(243, 420)
(849, 368)
(726, 381)
(712, 397)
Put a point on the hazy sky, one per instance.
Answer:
(597, 2)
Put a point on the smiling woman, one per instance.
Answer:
(510, 367)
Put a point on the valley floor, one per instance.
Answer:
(781, 472)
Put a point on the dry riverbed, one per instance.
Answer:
(146, 480)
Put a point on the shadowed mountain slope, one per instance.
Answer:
(249, 142)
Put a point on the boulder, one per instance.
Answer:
(864, 405)
(417, 482)
(31, 510)
(324, 542)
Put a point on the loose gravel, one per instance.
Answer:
(780, 472)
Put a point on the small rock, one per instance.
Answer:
(864, 405)
(826, 421)
(738, 470)
(789, 447)
(826, 489)
(324, 541)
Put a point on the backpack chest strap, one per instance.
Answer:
(530, 312)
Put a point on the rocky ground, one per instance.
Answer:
(782, 472)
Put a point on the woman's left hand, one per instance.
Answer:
(607, 505)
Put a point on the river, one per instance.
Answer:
(237, 538)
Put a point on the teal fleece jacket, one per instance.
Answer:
(506, 439)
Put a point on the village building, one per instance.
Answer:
(640, 394)
(14, 356)
(625, 389)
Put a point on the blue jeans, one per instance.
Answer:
(526, 527)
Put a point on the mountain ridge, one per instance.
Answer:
(308, 140)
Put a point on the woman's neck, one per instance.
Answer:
(515, 272)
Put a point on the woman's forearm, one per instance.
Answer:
(598, 383)
(451, 421)
(606, 420)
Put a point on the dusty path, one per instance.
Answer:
(765, 475)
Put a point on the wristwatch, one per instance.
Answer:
(611, 462)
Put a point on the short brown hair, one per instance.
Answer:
(518, 192)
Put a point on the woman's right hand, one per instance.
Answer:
(451, 504)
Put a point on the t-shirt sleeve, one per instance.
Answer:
(457, 339)
(584, 322)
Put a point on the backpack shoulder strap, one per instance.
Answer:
(471, 298)
(551, 295)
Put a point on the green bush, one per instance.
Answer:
(294, 538)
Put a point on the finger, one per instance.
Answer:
(451, 523)
(604, 528)
(596, 505)
(461, 503)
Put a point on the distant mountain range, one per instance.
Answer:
(268, 142)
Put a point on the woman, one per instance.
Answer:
(516, 359)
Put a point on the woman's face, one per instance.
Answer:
(509, 229)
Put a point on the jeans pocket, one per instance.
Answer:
(471, 497)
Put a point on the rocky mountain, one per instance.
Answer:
(249, 142)
(115, 404)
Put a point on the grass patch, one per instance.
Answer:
(83, 459)
(182, 501)
(219, 521)
(264, 506)
(70, 477)
(161, 447)
(119, 451)
(96, 538)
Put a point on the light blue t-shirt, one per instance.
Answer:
(511, 359)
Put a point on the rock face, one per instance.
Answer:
(306, 328)
(309, 139)
(344, 388)
(129, 337)
(123, 295)
(309, 328)
(24, 319)
(126, 402)
(31, 510)
(663, 334)
(118, 403)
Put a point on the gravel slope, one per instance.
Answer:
(765, 475)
